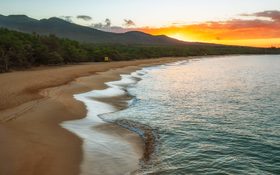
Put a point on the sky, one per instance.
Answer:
(237, 22)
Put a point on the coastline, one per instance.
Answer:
(32, 141)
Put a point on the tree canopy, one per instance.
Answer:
(19, 51)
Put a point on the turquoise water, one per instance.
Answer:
(213, 115)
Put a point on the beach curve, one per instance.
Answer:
(54, 150)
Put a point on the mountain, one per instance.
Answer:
(64, 29)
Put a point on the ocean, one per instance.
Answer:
(215, 115)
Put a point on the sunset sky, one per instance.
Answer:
(237, 22)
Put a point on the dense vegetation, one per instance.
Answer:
(20, 50)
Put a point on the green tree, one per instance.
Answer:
(4, 61)
(55, 58)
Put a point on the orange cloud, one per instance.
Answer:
(262, 30)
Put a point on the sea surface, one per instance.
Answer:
(217, 115)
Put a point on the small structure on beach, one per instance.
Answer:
(107, 59)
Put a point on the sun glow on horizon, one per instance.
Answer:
(181, 36)
(270, 42)
(257, 33)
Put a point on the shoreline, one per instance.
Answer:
(29, 90)
(32, 141)
(103, 139)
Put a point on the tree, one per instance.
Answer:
(55, 58)
(4, 61)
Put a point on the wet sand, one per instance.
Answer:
(33, 104)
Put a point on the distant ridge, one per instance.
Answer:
(64, 29)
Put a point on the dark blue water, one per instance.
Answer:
(213, 115)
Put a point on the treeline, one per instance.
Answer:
(19, 50)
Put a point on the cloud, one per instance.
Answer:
(274, 15)
(118, 29)
(114, 29)
(262, 27)
(67, 18)
(97, 25)
(107, 22)
(236, 29)
(106, 26)
(84, 17)
(128, 23)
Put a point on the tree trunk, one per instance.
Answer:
(6, 60)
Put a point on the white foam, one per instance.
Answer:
(109, 92)
(178, 63)
(125, 81)
(103, 153)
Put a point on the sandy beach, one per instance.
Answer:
(34, 103)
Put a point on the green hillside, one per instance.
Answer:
(64, 29)
(20, 51)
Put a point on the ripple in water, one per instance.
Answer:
(214, 116)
